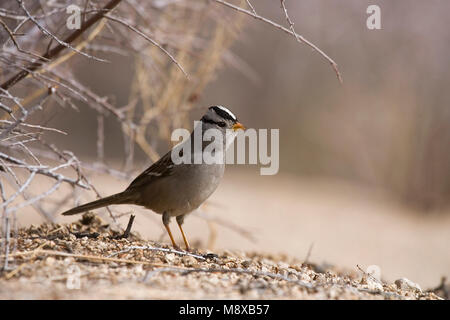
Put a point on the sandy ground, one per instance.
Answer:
(86, 259)
(342, 224)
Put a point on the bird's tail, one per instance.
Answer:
(118, 198)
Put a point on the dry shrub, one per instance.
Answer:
(176, 47)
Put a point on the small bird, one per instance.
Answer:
(174, 190)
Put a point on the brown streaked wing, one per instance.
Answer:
(161, 168)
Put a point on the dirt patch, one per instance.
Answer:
(89, 260)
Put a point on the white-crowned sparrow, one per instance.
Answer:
(175, 190)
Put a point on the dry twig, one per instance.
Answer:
(297, 36)
(166, 250)
(62, 43)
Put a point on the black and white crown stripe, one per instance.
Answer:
(224, 112)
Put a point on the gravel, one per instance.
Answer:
(88, 260)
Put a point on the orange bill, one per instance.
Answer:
(238, 126)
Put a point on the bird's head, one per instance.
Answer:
(221, 118)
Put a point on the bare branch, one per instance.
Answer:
(48, 33)
(100, 138)
(129, 26)
(251, 6)
(21, 189)
(297, 36)
(35, 126)
(25, 114)
(13, 39)
(229, 225)
(291, 24)
(42, 171)
(37, 198)
(55, 51)
(181, 253)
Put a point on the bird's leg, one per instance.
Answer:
(180, 220)
(166, 220)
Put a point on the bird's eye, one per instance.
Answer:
(222, 124)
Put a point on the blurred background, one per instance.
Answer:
(364, 166)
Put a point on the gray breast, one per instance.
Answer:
(183, 191)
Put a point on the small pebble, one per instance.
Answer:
(246, 263)
(373, 285)
(50, 261)
(189, 261)
(170, 257)
(406, 284)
